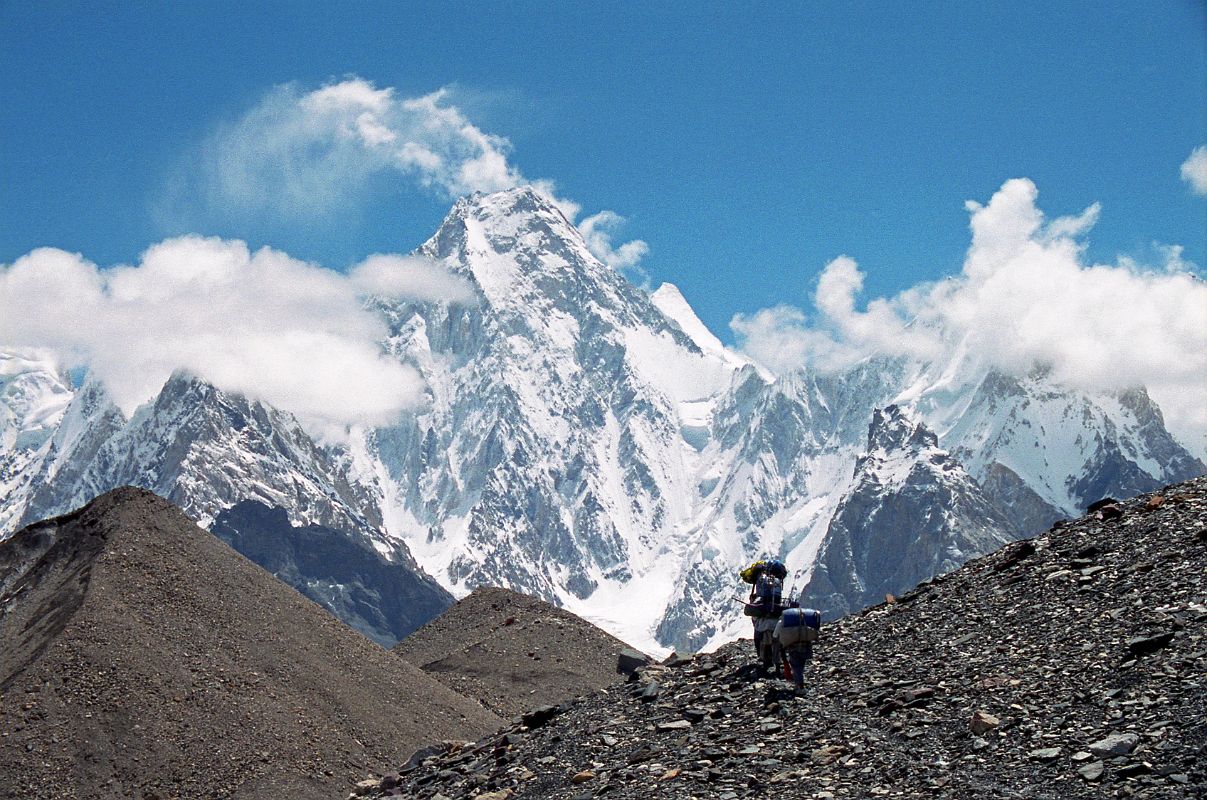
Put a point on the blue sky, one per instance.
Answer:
(747, 144)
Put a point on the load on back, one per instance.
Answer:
(799, 626)
(766, 598)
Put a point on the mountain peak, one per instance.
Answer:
(893, 429)
(503, 235)
(529, 203)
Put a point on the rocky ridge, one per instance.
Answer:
(513, 653)
(912, 512)
(1072, 664)
(144, 658)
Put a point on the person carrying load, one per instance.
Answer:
(795, 632)
(764, 606)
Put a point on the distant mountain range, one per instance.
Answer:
(592, 444)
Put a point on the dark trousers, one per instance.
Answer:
(798, 656)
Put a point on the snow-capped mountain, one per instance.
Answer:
(33, 397)
(552, 458)
(912, 512)
(204, 450)
(213, 453)
(597, 446)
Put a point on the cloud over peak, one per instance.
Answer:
(261, 323)
(1025, 297)
(301, 155)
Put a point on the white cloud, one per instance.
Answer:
(598, 230)
(410, 277)
(306, 154)
(1026, 296)
(779, 339)
(293, 334)
(1194, 170)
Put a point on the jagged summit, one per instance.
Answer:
(912, 511)
(482, 230)
(893, 429)
(142, 657)
(510, 203)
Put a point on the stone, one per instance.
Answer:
(366, 786)
(501, 794)
(643, 753)
(1117, 744)
(649, 693)
(1091, 771)
(1146, 645)
(628, 661)
(1045, 754)
(827, 754)
(1133, 770)
(676, 659)
(583, 776)
(1098, 505)
(983, 722)
(677, 725)
(540, 716)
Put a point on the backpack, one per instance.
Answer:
(768, 594)
(752, 573)
(800, 626)
(775, 567)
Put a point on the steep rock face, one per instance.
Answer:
(551, 459)
(1022, 506)
(68, 475)
(382, 599)
(912, 513)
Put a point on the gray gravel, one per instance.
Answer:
(1070, 665)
